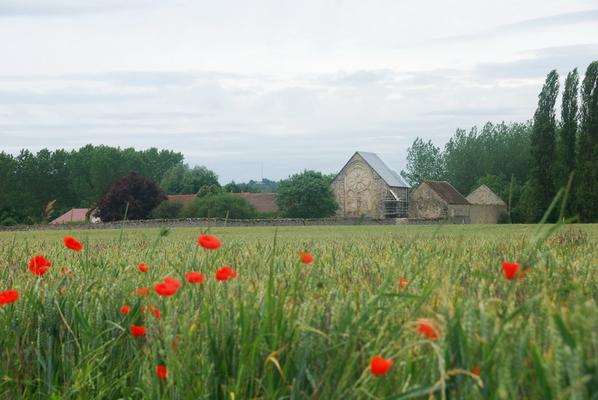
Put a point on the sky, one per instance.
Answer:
(268, 88)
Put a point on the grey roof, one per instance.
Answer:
(388, 175)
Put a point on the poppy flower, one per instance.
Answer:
(143, 291)
(161, 371)
(225, 273)
(165, 289)
(380, 365)
(403, 282)
(476, 371)
(195, 277)
(208, 242)
(510, 270)
(305, 257)
(143, 268)
(124, 310)
(38, 265)
(154, 311)
(428, 330)
(137, 331)
(71, 243)
(8, 296)
(173, 282)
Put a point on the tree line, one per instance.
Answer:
(526, 163)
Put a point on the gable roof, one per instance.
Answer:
(388, 175)
(183, 199)
(485, 195)
(73, 215)
(263, 202)
(447, 192)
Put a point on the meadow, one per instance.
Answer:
(285, 329)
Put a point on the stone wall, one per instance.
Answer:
(486, 213)
(359, 190)
(203, 223)
(424, 203)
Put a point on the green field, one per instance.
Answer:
(286, 330)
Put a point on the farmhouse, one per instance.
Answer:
(367, 187)
(439, 200)
(486, 206)
(75, 215)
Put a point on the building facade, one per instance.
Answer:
(367, 187)
(440, 201)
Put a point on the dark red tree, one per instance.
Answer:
(141, 193)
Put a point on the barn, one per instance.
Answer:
(367, 187)
(439, 200)
(486, 206)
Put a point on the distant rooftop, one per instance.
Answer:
(447, 192)
(388, 175)
(73, 215)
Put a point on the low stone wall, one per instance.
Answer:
(204, 222)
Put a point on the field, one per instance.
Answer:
(282, 329)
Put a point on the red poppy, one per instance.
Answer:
(195, 277)
(403, 282)
(124, 310)
(173, 282)
(38, 265)
(476, 371)
(161, 371)
(143, 268)
(208, 242)
(426, 328)
(305, 257)
(137, 331)
(225, 273)
(510, 270)
(143, 291)
(71, 243)
(8, 296)
(154, 311)
(380, 365)
(165, 289)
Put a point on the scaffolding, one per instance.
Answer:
(395, 206)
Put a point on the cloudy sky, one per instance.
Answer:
(277, 86)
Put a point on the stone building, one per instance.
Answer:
(440, 201)
(367, 187)
(486, 206)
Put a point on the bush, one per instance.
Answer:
(220, 205)
(306, 195)
(141, 193)
(167, 210)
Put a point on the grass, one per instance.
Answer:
(284, 330)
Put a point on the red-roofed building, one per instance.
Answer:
(75, 215)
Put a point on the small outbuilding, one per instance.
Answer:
(486, 206)
(76, 216)
(440, 201)
(367, 187)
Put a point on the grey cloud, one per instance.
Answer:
(12, 8)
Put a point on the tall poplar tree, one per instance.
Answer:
(587, 166)
(543, 145)
(567, 143)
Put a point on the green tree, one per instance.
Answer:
(567, 143)
(181, 179)
(424, 162)
(587, 166)
(220, 205)
(543, 145)
(140, 193)
(306, 195)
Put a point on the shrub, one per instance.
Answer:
(306, 195)
(220, 205)
(167, 210)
